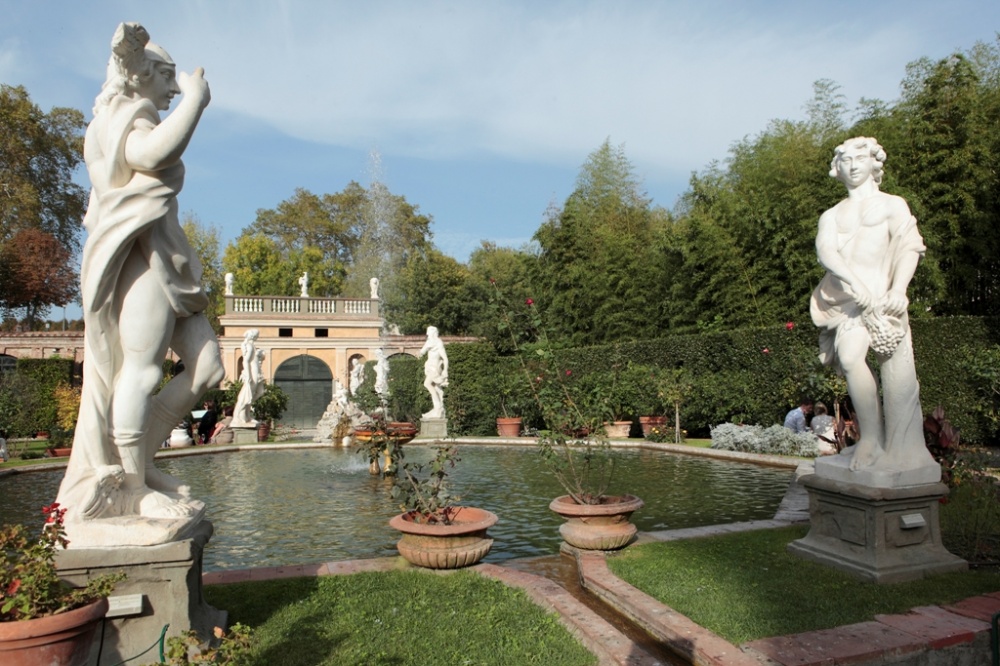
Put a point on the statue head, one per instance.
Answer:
(138, 66)
(432, 332)
(875, 151)
(251, 334)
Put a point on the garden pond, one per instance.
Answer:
(303, 506)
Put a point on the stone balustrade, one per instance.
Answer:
(292, 306)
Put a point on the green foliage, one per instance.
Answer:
(30, 586)
(970, 516)
(429, 499)
(28, 400)
(226, 649)
(39, 153)
(430, 291)
(751, 375)
(593, 276)
(204, 239)
(404, 617)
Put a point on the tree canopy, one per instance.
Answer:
(38, 155)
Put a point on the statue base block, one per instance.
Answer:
(921, 470)
(433, 428)
(883, 535)
(245, 435)
(163, 587)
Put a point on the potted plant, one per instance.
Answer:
(510, 390)
(379, 437)
(437, 534)
(42, 619)
(573, 444)
(268, 408)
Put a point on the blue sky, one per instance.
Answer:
(482, 112)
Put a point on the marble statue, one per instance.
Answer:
(141, 292)
(252, 378)
(435, 372)
(373, 287)
(869, 245)
(381, 374)
(230, 279)
(304, 286)
(340, 418)
(357, 375)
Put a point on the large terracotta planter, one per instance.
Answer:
(56, 640)
(649, 422)
(509, 427)
(436, 546)
(602, 526)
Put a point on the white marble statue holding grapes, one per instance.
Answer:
(870, 247)
(142, 294)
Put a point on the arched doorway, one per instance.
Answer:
(309, 385)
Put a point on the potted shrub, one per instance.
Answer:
(573, 444)
(510, 390)
(437, 534)
(268, 408)
(42, 619)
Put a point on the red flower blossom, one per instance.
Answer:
(568, 372)
(528, 301)
(765, 350)
(790, 325)
(14, 586)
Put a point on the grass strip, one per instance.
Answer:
(396, 617)
(744, 586)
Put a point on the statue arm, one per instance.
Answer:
(163, 146)
(905, 264)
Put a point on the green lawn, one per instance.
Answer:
(397, 617)
(745, 586)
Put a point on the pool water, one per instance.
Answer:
(301, 506)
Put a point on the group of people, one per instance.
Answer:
(821, 424)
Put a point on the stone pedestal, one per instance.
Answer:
(433, 428)
(885, 535)
(245, 435)
(163, 587)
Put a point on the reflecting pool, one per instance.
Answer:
(300, 506)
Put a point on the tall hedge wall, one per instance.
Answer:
(748, 375)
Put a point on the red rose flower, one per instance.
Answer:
(529, 302)
(790, 325)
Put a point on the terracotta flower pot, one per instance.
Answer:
(650, 422)
(509, 427)
(62, 639)
(437, 546)
(602, 526)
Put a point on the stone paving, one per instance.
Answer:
(952, 635)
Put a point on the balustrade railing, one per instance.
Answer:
(291, 306)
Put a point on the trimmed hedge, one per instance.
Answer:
(744, 376)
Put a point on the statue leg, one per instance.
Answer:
(145, 325)
(852, 348)
(196, 343)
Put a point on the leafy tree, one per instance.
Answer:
(258, 267)
(941, 138)
(430, 292)
(506, 267)
(38, 155)
(592, 276)
(37, 272)
(205, 241)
